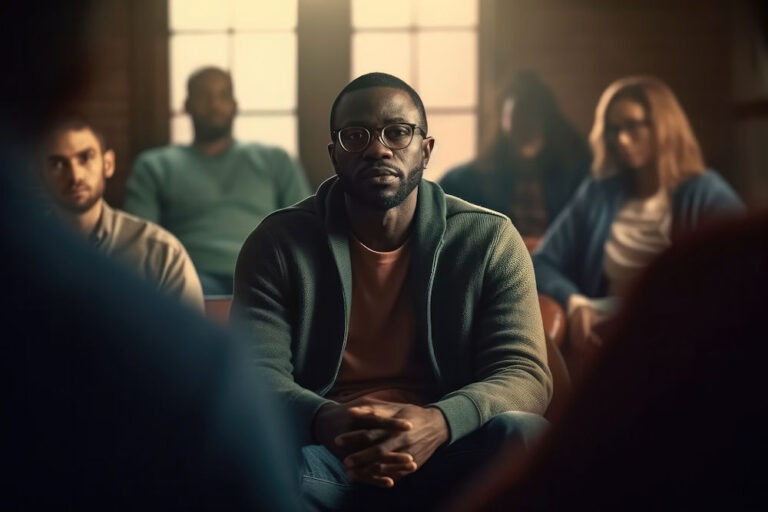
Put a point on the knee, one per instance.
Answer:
(517, 426)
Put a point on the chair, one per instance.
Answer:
(217, 308)
(531, 242)
(554, 320)
(555, 333)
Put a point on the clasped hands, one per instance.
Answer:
(380, 442)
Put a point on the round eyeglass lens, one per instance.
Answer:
(354, 138)
(397, 136)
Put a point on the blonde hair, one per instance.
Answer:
(678, 154)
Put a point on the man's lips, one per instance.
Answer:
(376, 172)
(80, 189)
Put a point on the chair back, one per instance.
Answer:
(217, 308)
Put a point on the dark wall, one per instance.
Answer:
(709, 51)
(128, 96)
(580, 47)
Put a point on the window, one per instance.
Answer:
(257, 43)
(432, 45)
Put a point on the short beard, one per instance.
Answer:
(381, 202)
(208, 133)
(80, 208)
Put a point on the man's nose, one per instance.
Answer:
(217, 102)
(77, 172)
(376, 149)
(624, 138)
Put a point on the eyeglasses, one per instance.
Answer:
(354, 139)
(631, 126)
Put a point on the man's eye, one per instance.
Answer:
(354, 135)
(56, 165)
(398, 132)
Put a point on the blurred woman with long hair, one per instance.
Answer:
(535, 164)
(649, 186)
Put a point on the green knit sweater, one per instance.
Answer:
(212, 203)
(478, 324)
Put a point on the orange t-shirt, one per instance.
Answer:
(379, 359)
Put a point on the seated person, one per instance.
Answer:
(75, 171)
(115, 396)
(535, 164)
(213, 193)
(674, 414)
(650, 187)
(401, 326)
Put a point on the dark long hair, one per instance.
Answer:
(565, 149)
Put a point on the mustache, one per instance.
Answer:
(76, 187)
(378, 169)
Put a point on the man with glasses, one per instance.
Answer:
(401, 326)
(211, 193)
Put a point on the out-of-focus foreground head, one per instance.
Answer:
(48, 50)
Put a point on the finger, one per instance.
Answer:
(360, 439)
(382, 409)
(595, 339)
(395, 471)
(377, 474)
(375, 480)
(377, 454)
(367, 421)
(355, 461)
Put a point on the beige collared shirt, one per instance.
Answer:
(153, 252)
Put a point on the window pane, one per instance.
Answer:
(181, 129)
(446, 13)
(390, 53)
(189, 52)
(279, 130)
(265, 70)
(281, 14)
(448, 82)
(199, 14)
(375, 14)
(454, 142)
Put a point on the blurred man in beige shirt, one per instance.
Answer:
(77, 166)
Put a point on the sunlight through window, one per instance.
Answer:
(257, 43)
(432, 45)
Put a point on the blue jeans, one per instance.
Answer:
(324, 483)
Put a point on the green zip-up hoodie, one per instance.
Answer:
(478, 326)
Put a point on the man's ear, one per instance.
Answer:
(332, 153)
(426, 149)
(109, 163)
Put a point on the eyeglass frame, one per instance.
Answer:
(336, 136)
(632, 127)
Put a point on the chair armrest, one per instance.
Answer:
(555, 320)
(555, 326)
(531, 242)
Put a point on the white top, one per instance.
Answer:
(640, 231)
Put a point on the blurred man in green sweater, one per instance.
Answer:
(213, 193)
